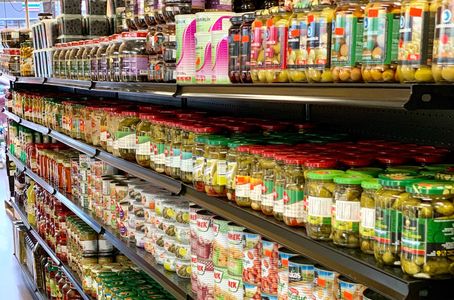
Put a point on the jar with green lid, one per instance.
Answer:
(416, 41)
(368, 171)
(380, 44)
(347, 41)
(279, 184)
(388, 216)
(143, 147)
(256, 178)
(232, 168)
(214, 175)
(347, 208)
(198, 154)
(294, 213)
(188, 136)
(243, 176)
(268, 164)
(428, 223)
(320, 196)
(319, 30)
(125, 136)
(367, 223)
(297, 40)
(443, 44)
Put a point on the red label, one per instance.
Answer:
(215, 228)
(373, 13)
(234, 236)
(415, 12)
(339, 31)
(233, 284)
(245, 39)
(203, 224)
(236, 38)
(310, 19)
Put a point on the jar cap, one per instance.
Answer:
(244, 148)
(429, 158)
(273, 127)
(134, 34)
(430, 187)
(294, 160)
(351, 179)
(371, 184)
(398, 179)
(321, 163)
(324, 174)
(129, 113)
(365, 171)
(206, 129)
(239, 128)
(104, 39)
(257, 149)
(392, 160)
(357, 161)
(217, 141)
(403, 169)
(304, 125)
(439, 167)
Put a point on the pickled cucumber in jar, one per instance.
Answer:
(443, 44)
(143, 149)
(279, 184)
(268, 164)
(256, 181)
(367, 223)
(380, 44)
(214, 175)
(416, 41)
(125, 137)
(243, 176)
(294, 213)
(347, 41)
(428, 223)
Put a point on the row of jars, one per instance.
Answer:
(129, 57)
(344, 41)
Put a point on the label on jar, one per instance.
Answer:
(175, 158)
(381, 37)
(143, 145)
(416, 35)
(427, 237)
(159, 154)
(134, 66)
(89, 246)
(242, 186)
(367, 223)
(444, 34)
(167, 155)
(278, 206)
(276, 45)
(347, 215)
(318, 41)
(297, 40)
(231, 174)
(268, 193)
(300, 281)
(125, 139)
(199, 166)
(186, 164)
(294, 204)
(210, 172)
(347, 44)
(256, 189)
(388, 225)
(319, 210)
(221, 175)
(104, 246)
(257, 51)
(252, 291)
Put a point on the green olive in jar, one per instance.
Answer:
(367, 223)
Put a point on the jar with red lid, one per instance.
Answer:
(356, 162)
(93, 60)
(319, 163)
(133, 57)
(267, 165)
(294, 212)
(234, 49)
(256, 180)
(245, 47)
(388, 160)
(113, 59)
(243, 176)
(269, 129)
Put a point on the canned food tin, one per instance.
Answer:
(325, 283)
(205, 279)
(220, 242)
(251, 291)
(270, 262)
(194, 279)
(348, 290)
(221, 283)
(283, 272)
(301, 274)
(204, 235)
(235, 254)
(235, 284)
(193, 209)
(252, 255)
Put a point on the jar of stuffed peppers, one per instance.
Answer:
(256, 179)
(214, 175)
(416, 41)
(388, 219)
(319, 30)
(380, 44)
(367, 223)
(294, 213)
(297, 40)
(279, 184)
(258, 73)
(243, 176)
(320, 200)
(347, 41)
(268, 164)
(427, 249)
(276, 45)
(234, 49)
(125, 137)
(143, 147)
(347, 208)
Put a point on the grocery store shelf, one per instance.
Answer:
(178, 287)
(399, 96)
(11, 116)
(75, 144)
(35, 292)
(350, 262)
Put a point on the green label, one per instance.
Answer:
(279, 191)
(142, 139)
(268, 187)
(186, 155)
(293, 196)
(347, 45)
(388, 226)
(160, 148)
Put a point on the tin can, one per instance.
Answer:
(193, 209)
(251, 291)
(221, 283)
(301, 274)
(270, 263)
(236, 290)
(220, 242)
(348, 290)
(204, 235)
(269, 297)
(283, 271)
(325, 283)
(235, 254)
(194, 280)
(252, 255)
(205, 279)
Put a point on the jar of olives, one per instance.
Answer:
(143, 147)
(428, 223)
(347, 41)
(416, 41)
(297, 40)
(125, 137)
(159, 138)
(258, 30)
(268, 165)
(380, 44)
(214, 175)
(347, 208)
(319, 30)
(320, 196)
(243, 176)
(443, 55)
(367, 223)
(388, 216)
(294, 213)
(256, 179)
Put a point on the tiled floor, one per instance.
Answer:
(12, 285)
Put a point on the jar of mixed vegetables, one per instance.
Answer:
(428, 222)
(125, 136)
(279, 184)
(214, 175)
(294, 213)
(367, 223)
(320, 197)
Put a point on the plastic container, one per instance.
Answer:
(294, 211)
(97, 7)
(97, 26)
(71, 7)
(185, 57)
(70, 25)
(183, 268)
(234, 49)
(297, 40)
(133, 57)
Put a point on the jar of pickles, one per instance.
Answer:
(427, 230)
(347, 41)
(276, 45)
(157, 159)
(143, 147)
(256, 179)
(187, 144)
(319, 30)
(258, 74)
(320, 197)
(268, 165)
(234, 49)
(243, 176)
(388, 219)
(232, 168)
(297, 41)
(367, 223)
(214, 176)
(198, 154)
(380, 44)
(175, 150)
(125, 136)
(347, 208)
(416, 41)
(294, 213)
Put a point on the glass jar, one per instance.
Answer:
(187, 144)
(113, 59)
(144, 134)
(347, 41)
(133, 57)
(294, 214)
(79, 60)
(243, 176)
(175, 150)
(62, 61)
(427, 226)
(256, 178)
(276, 45)
(442, 66)
(150, 20)
(279, 184)
(245, 47)
(297, 40)
(214, 175)
(257, 62)
(416, 41)
(347, 208)
(381, 31)
(101, 58)
(86, 60)
(319, 30)
(320, 197)
(234, 49)
(67, 59)
(93, 60)
(388, 219)
(56, 61)
(367, 223)
(126, 135)
(232, 168)
(73, 63)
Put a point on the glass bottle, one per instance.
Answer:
(442, 67)
(294, 212)
(133, 58)
(61, 60)
(93, 60)
(68, 60)
(234, 49)
(73, 72)
(80, 61)
(101, 59)
(114, 59)
(245, 47)
(257, 62)
(86, 60)
(55, 61)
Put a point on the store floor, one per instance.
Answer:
(12, 285)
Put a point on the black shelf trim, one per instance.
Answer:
(75, 144)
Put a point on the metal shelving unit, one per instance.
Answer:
(35, 292)
(350, 262)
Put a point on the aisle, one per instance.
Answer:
(12, 285)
